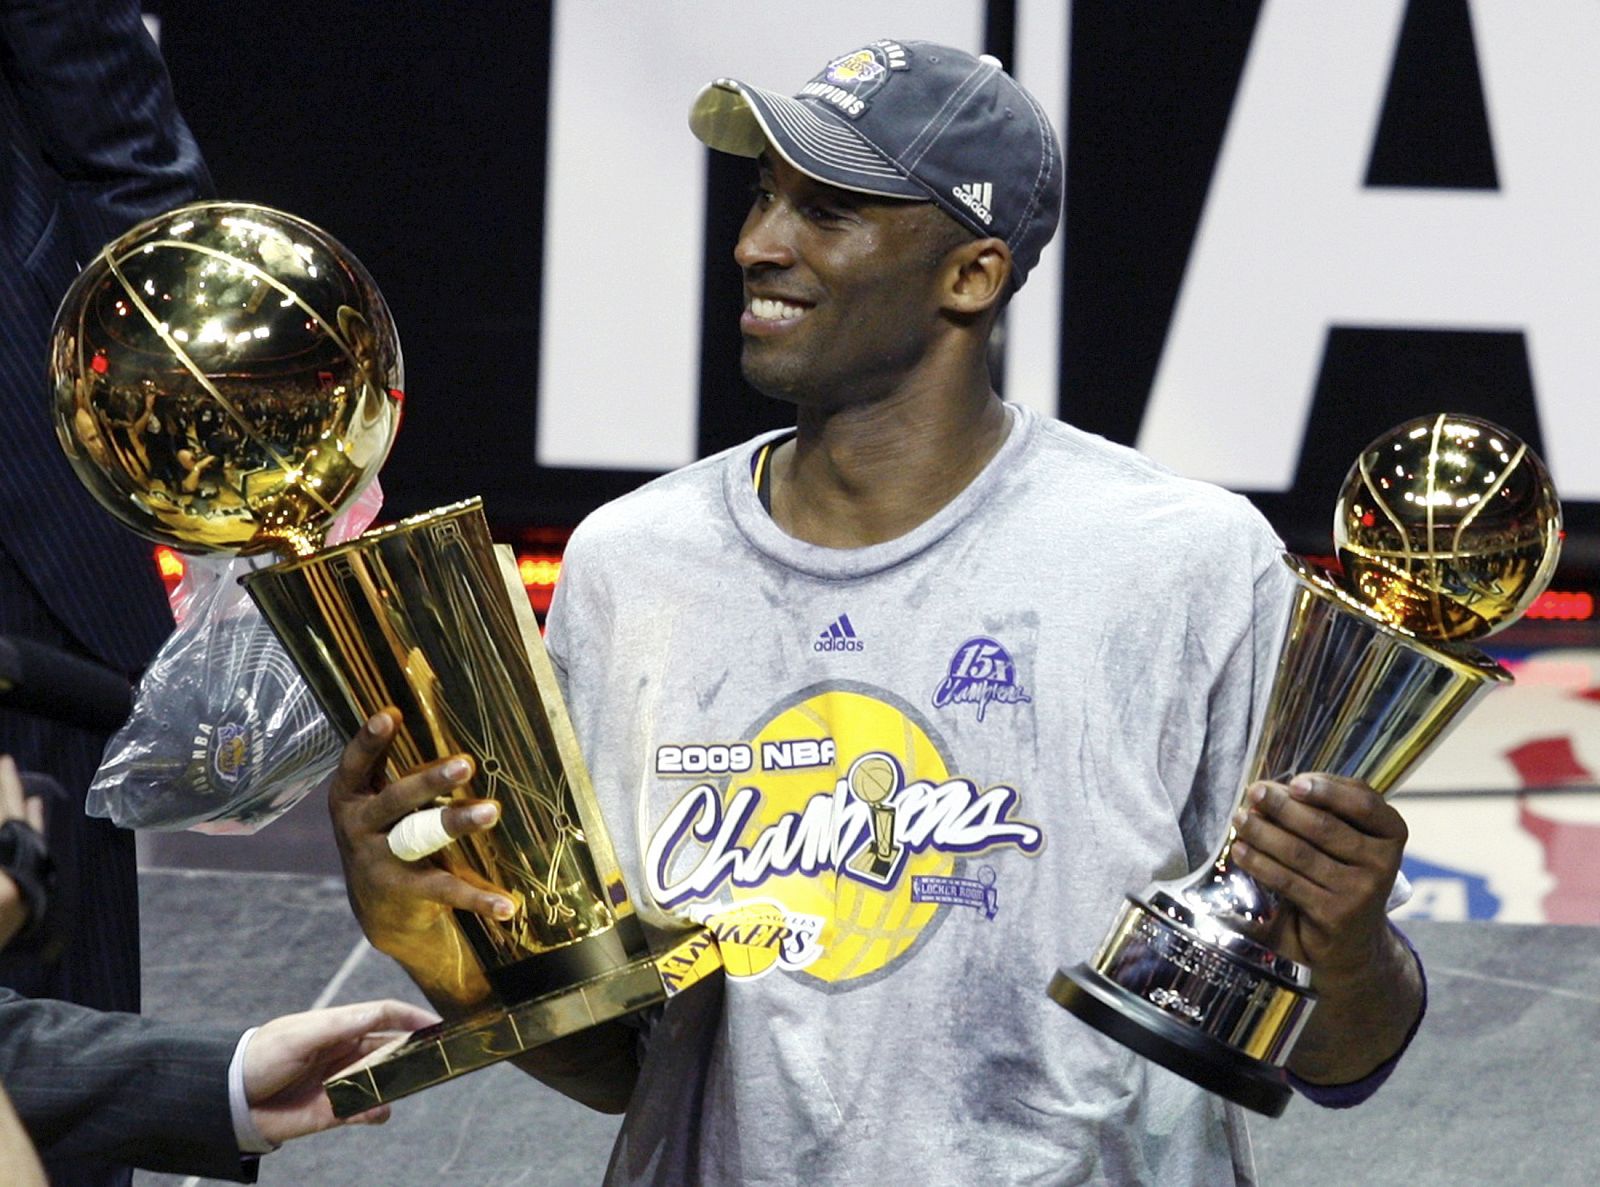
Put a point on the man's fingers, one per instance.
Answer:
(362, 754)
(447, 890)
(1269, 841)
(1352, 802)
(384, 1018)
(15, 802)
(415, 836)
(1328, 829)
(373, 1116)
(1291, 884)
(429, 830)
(420, 789)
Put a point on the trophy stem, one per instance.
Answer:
(288, 543)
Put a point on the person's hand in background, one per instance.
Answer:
(23, 858)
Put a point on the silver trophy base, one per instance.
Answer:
(1222, 1012)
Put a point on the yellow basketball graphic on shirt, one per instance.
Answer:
(865, 926)
(828, 842)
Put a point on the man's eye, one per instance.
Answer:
(760, 193)
(824, 214)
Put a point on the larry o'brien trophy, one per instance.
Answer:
(226, 378)
(1447, 528)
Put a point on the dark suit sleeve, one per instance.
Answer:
(97, 94)
(91, 143)
(120, 1088)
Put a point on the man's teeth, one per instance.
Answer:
(769, 310)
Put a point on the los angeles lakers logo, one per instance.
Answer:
(861, 66)
(803, 857)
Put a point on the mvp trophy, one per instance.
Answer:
(1447, 528)
(226, 378)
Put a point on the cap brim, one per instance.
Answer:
(733, 117)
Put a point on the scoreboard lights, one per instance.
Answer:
(538, 571)
(1563, 605)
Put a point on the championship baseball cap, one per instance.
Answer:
(914, 120)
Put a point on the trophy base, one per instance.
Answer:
(450, 1049)
(1211, 1004)
(1192, 1054)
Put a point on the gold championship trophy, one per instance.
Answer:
(227, 378)
(1447, 529)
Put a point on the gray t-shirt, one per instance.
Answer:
(904, 784)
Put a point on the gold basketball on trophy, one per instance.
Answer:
(226, 377)
(1448, 527)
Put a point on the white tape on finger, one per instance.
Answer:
(419, 834)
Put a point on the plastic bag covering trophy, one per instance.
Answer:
(1447, 528)
(226, 378)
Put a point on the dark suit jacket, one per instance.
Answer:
(93, 143)
(118, 1088)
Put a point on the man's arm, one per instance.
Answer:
(97, 93)
(128, 1090)
(120, 1088)
(1331, 847)
(405, 909)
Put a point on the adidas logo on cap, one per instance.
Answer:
(839, 635)
(976, 196)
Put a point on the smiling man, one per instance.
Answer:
(901, 702)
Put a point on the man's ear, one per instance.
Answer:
(979, 272)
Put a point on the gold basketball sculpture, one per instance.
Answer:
(226, 378)
(1448, 527)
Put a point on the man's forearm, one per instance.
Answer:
(1362, 1019)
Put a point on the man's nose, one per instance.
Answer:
(764, 239)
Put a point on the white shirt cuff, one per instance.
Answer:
(245, 1132)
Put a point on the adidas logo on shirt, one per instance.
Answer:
(976, 197)
(839, 635)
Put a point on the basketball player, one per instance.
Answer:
(926, 654)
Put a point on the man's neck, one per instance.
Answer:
(870, 473)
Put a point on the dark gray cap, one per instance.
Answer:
(908, 119)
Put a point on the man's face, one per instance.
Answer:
(841, 294)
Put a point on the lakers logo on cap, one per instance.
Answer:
(861, 66)
(848, 82)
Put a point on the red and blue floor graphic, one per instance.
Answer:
(1505, 815)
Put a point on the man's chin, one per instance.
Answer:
(773, 380)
